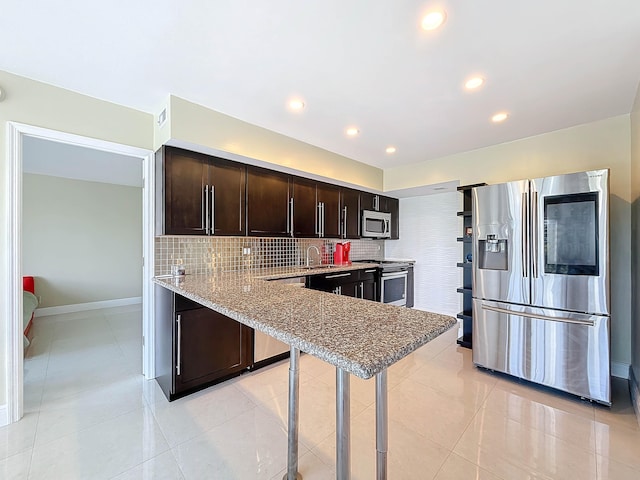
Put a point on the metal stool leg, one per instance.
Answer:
(343, 426)
(382, 425)
(292, 424)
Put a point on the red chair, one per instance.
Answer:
(28, 284)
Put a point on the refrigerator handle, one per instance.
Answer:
(534, 234)
(587, 323)
(525, 236)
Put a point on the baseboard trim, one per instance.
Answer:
(80, 307)
(4, 415)
(620, 370)
(635, 393)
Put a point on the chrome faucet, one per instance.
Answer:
(318, 251)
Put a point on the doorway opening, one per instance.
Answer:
(17, 135)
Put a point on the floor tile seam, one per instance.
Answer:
(315, 450)
(95, 425)
(446, 459)
(536, 394)
(66, 396)
(244, 394)
(545, 433)
(445, 391)
(506, 459)
(198, 434)
(635, 468)
(85, 428)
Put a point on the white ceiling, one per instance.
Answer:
(55, 159)
(550, 64)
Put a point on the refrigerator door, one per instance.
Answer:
(567, 351)
(570, 242)
(500, 251)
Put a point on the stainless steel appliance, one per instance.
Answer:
(541, 281)
(393, 283)
(376, 224)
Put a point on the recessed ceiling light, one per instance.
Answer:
(296, 104)
(499, 117)
(391, 150)
(433, 20)
(474, 83)
(352, 131)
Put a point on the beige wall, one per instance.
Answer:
(603, 144)
(635, 235)
(194, 124)
(42, 105)
(81, 240)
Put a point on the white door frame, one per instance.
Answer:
(16, 133)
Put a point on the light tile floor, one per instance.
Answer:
(89, 414)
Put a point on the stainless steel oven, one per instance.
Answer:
(393, 283)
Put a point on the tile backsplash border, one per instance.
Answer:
(210, 255)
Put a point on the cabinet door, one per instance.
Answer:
(331, 281)
(228, 182)
(267, 202)
(393, 204)
(185, 178)
(368, 290)
(305, 211)
(368, 201)
(350, 289)
(350, 213)
(208, 346)
(329, 198)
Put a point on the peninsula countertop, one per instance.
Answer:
(359, 336)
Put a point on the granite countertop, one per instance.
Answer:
(359, 336)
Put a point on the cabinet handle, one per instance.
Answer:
(291, 216)
(213, 209)
(362, 290)
(370, 271)
(339, 289)
(322, 222)
(338, 275)
(206, 208)
(344, 222)
(204, 194)
(318, 215)
(179, 356)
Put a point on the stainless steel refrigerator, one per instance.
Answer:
(541, 281)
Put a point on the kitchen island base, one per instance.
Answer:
(343, 422)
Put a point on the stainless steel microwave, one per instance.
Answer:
(376, 224)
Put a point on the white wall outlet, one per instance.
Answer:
(246, 250)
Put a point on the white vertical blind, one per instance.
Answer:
(429, 226)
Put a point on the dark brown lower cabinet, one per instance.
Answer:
(355, 283)
(196, 346)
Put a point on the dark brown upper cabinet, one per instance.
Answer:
(392, 206)
(328, 200)
(268, 203)
(368, 201)
(316, 209)
(350, 213)
(203, 195)
(305, 208)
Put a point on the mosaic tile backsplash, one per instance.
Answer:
(210, 255)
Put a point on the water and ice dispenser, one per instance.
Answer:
(493, 253)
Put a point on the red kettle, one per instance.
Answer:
(341, 253)
(338, 254)
(346, 248)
